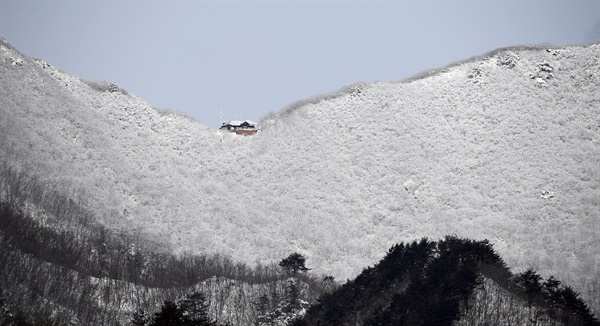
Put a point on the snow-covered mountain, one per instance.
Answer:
(504, 146)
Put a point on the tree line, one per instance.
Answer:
(56, 255)
(446, 282)
(39, 265)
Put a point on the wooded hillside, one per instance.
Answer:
(502, 147)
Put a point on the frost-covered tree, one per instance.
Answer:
(140, 318)
(262, 309)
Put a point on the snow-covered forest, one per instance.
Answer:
(503, 147)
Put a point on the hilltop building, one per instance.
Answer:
(245, 127)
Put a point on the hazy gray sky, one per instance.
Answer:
(248, 58)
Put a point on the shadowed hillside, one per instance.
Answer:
(503, 146)
(449, 282)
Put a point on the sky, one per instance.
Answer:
(224, 60)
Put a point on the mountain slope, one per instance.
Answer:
(503, 146)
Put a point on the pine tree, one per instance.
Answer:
(294, 263)
(529, 281)
(169, 315)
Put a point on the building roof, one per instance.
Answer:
(239, 123)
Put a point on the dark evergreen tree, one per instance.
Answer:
(431, 283)
(170, 315)
(418, 283)
(552, 295)
(192, 312)
(294, 263)
(529, 282)
(574, 311)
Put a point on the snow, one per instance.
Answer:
(341, 177)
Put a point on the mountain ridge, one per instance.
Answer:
(499, 147)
